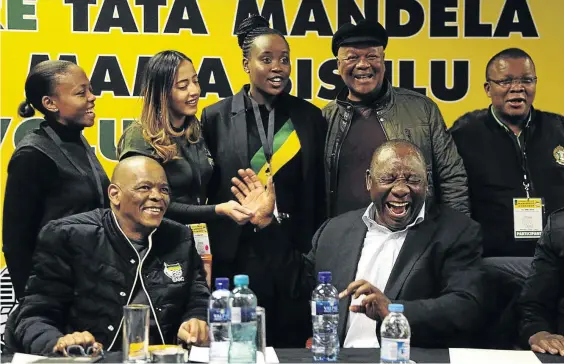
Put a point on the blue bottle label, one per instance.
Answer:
(248, 314)
(218, 315)
(319, 308)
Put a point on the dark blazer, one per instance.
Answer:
(437, 275)
(225, 132)
(542, 300)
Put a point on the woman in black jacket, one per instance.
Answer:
(169, 132)
(53, 172)
(264, 128)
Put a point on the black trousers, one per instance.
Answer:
(505, 277)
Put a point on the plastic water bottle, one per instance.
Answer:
(325, 318)
(395, 333)
(243, 347)
(219, 321)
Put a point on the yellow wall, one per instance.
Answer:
(46, 27)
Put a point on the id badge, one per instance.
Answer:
(201, 238)
(527, 218)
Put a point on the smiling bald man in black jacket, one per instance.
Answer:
(88, 266)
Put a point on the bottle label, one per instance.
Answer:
(218, 315)
(243, 314)
(394, 350)
(319, 308)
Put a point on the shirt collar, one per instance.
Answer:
(505, 126)
(373, 225)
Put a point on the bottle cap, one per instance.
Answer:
(241, 280)
(395, 307)
(324, 277)
(222, 283)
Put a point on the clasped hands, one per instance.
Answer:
(84, 339)
(192, 331)
(252, 195)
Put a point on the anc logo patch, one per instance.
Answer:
(559, 155)
(174, 272)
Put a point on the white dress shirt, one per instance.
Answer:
(379, 253)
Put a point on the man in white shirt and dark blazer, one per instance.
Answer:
(395, 251)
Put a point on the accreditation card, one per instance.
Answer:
(527, 218)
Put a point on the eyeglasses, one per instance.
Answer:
(525, 81)
(354, 59)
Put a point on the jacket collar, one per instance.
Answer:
(118, 240)
(494, 122)
(238, 103)
(384, 101)
(416, 242)
(239, 107)
(239, 125)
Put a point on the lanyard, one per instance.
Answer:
(89, 155)
(267, 147)
(267, 142)
(527, 184)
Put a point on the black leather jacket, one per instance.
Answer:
(84, 273)
(408, 115)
